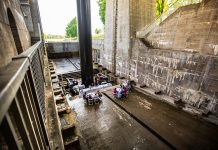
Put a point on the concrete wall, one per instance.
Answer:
(183, 62)
(62, 49)
(26, 10)
(191, 28)
(36, 19)
(30, 10)
(123, 19)
(107, 56)
(7, 43)
(98, 44)
(123, 38)
(142, 12)
(71, 49)
(97, 50)
(191, 77)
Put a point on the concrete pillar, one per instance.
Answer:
(36, 21)
(123, 19)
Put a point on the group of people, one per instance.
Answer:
(120, 92)
(87, 96)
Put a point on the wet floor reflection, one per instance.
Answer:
(106, 126)
(181, 129)
(66, 65)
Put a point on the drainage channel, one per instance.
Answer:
(142, 123)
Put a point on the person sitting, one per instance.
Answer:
(125, 90)
(119, 94)
(90, 96)
(99, 94)
(84, 95)
(123, 94)
(115, 91)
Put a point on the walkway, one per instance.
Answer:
(180, 129)
(106, 126)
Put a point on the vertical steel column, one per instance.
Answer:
(85, 40)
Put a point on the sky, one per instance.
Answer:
(56, 14)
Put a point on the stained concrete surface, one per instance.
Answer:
(65, 65)
(180, 129)
(106, 126)
(179, 57)
(52, 125)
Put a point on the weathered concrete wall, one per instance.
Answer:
(36, 19)
(192, 77)
(30, 10)
(7, 43)
(191, 28)
(142, 12)
(62, 49)
(123, 19)
(97, 50)
(98, 44)
(183, 63)
(26, 10)
(71, 49)
(123, 38)
(107, 56)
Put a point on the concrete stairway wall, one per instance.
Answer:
(191, 28)
(182, 62)
(191, 77)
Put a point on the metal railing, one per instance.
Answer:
(172, 8)
(22, 101)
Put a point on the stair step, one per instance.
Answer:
(57, 92)
(66, 127)
(52, 72)
(71, 140)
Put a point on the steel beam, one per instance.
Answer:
(85, 40)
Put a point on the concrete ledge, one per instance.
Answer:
(141, 122)
(169, 100)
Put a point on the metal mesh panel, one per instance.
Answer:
(41, 54)
(39, 81)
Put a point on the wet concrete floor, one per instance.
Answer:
(180, 129)
(66, 65)
(106, 126)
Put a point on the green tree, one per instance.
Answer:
(97, 31)
(102, 9)
(161, 6)
(71, 29)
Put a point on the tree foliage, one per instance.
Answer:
(102, 9)
(97, 31)
(51, 36)
(71, 29)
(161, 6)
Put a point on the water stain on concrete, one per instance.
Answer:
(106, 126)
